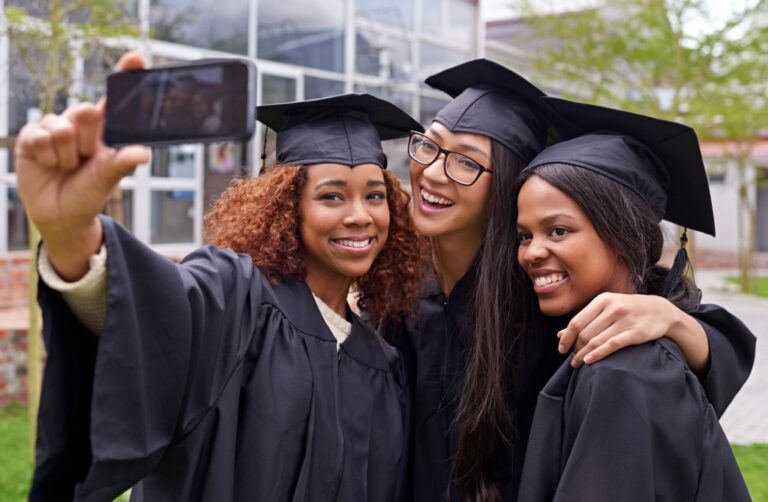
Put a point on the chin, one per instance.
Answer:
(555, 308)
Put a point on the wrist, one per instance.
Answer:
(69, 248)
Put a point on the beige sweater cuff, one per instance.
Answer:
(86, 297)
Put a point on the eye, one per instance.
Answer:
(426, 146)
(376, 196)
(524, 237)
(331, 196)
(559, 232)
(466, 164)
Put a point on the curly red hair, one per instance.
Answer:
(260, 217)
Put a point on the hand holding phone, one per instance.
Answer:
(205, 101)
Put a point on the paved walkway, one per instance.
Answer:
(746, 419)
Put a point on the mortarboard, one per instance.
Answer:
(657, 159)
(346, 129)
(494, 101)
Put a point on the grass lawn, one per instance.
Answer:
(757, 285)
(16, 467)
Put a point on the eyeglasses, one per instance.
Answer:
(457, 166)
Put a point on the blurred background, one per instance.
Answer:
(704, 63)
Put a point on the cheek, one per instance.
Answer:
(415, 171)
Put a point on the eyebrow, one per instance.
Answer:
(343, 183)
(462, 145)
(548, 220)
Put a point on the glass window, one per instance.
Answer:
(382, 55)
(223, 162)
(39, 8)
(214, 24)
(174, 161)
(400, 98)
(397, 13)
(18, 232)
(96, 67)
(173, 217)
(435, 58)
(432, 16)
(429, 108)
(397, 158)
(275, 89)
(303, 32)
(460, 21)
(320, 87)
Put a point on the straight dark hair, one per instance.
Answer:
(483, 417)
(507, 317)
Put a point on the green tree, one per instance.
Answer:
(665, 58)
(48, 36)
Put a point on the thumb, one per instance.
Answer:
(124, 161)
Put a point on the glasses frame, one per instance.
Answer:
(441, 151)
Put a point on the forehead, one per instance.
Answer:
(538, 200)
(450, 139)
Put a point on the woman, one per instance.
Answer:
(474, 382)
(636, 426)
(228, 376)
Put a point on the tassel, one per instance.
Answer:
(263, 163)
(679, 267)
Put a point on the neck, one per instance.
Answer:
(452, 257)
(331, 290)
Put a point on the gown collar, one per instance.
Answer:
(297, 304)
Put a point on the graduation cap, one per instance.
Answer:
(657, 159)
(346, 129)
(494, 101)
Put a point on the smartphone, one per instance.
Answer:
(199, 102)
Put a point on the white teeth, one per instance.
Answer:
(434, 199)
(548, 279)
(354, 244)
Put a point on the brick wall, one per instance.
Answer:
(14, 278)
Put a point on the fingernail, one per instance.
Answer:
(561, 348)
(588, 359)
(574, 364)
(559, 334)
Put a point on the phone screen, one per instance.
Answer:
(211, 101)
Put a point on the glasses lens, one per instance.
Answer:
(423, 150)
(462, 169)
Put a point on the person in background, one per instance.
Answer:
(636, 426)
(240, 373)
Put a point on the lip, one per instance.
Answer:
(428, 208)
(353, 250)
(548, 288)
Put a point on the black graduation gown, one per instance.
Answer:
(435, 344)
(209, 384)
(633, 427)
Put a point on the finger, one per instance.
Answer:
(62, 132)
(34, 143)
(87, 120)
(602, 345)
(124, 161)
(132, 60)
(579, 322)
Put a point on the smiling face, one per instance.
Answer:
(344, 221)
(566, 259)
(443, 207)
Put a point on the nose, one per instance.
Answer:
(535, 251)
(436, 170)
(357, 215)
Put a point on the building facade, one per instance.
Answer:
(303, 49)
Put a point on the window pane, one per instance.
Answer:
(429, 108)
(397, 13)
(399, 98)
(214, 24)
(223, 162)
(303, 32)
(383, 55)
(435, 58)
(321, 87)
(460, 21)
(397, 158)
(432, 16)
(174, 161)
(275, 90)
(96, 67)
(18, 232)
(172, 217)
